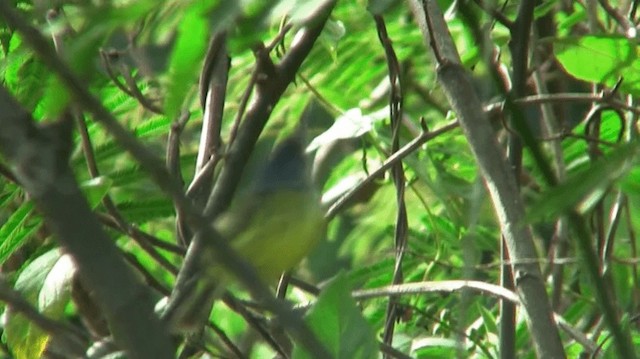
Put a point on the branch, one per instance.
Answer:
(393, 159)
(41, 166)
(448, 286)
(273, 80)
(499, 179)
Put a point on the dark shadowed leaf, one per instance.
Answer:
(339, 324)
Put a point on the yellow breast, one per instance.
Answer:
(277, 232)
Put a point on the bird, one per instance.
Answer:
(273, 227)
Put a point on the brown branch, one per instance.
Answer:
(628, 28)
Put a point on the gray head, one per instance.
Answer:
(286, 168)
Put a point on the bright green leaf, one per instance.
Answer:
(17, 229)
(488, 318)
(186, 58)
(55, 99)
(601, 59)
(434, 347)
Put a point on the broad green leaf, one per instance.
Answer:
(55, 99)
(586, 186)
(601, 59)
(434, 347)
(339, 324)
(56, 288)
(24, 338)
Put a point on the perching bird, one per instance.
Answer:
(273, 227)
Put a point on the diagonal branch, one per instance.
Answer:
(40, 163)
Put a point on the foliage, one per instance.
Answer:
(142, 60)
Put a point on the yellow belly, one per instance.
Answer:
(278, 231)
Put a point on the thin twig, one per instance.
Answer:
(397, 172)
(398, 156)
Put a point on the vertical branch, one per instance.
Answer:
(213, 89)
(397, 172)
(519, 46)
(499, 179)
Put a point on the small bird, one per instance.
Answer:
(273, 227)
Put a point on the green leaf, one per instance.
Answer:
(601, 59)
(488, 318)
(544, 8)
(153, 127)
(339, 324)
(586, 186)
(142, 210)
(186, 58)
(24, 338)
(434, 347)
(95, 189)
(56, 287)
(24, 75)
(352, 124)
(567, 21)
(55, 99)
(17, 229)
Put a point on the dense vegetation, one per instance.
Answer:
(477, 162)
